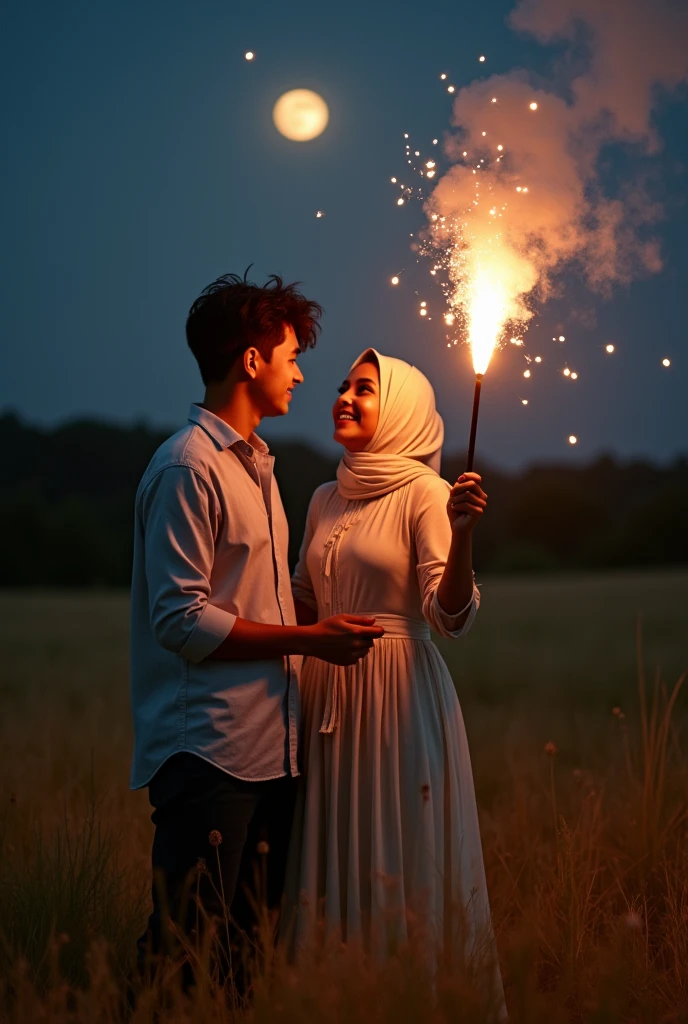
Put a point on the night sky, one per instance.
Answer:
(141, 162)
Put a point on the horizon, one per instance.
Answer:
(672, 461)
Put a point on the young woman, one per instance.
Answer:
(386, 831)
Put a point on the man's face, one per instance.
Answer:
(275, 381)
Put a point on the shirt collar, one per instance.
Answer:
(222, 434)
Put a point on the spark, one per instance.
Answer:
(430, 174)
(430, 163)
(406, 136)
(395, 280)
(465, 153)
(562, 338)
(416, 152)
(526, 373)
(500, 148)
(481, 59)
(573, 439)
(400, 202)
(484, 134)
(518, 188)
(666, 362)
(524, 401)
(533, 105)
(320, 213)
(434, 142)
(450, 88)
(538, 359)
(574, 376)
(516, 341)
(609, 349)
(423, 312)
(249, 55)
(443, 76)
(423, 305)
(567, 372)
(393, 180)
(494, 99)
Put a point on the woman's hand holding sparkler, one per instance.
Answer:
(467, 502)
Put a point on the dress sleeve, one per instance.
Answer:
(301, 583)
(432, 536)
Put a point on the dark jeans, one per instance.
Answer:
(195, 803)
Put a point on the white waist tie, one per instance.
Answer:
(396, 627)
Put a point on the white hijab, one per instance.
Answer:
(408, 440)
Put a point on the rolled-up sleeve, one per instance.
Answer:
(179, 519)
(432, 534)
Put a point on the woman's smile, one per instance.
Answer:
(357, 409)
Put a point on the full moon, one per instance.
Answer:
(300, 115)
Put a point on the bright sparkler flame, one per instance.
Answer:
(487, 312)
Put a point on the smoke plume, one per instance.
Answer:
(525, 195)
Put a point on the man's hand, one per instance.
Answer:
(341, 639)
(467, 502)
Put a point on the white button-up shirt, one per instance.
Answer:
(210, 545)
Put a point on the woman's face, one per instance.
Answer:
(357, 408)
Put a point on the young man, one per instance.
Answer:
(214, 642)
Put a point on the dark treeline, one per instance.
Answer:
(66, 506)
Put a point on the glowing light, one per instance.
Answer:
(393, 180)
(573, 439)
(443, 77)
(249, 55)
(400, 202)
(609, 349)
(430, 163)
(430, 174)
(567, 372)
(666, 362)
(300, 115)
(518, 188)
(434, 142)
(538, 359)
(449, 319)
(574, 376)
(500, 148)
(481, 59)
(484, 134)
(395, 280)
(526, 373)
(524, 401)
(450, 88)
(320, 213)
(562, 338)
(516, 341)
(533, 105)
(494, 99)
(465, 153)
(423, 305)
(423, 312)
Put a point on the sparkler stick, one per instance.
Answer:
(474, 422)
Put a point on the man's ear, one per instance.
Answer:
(251, 357)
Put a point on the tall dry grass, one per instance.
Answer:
(584, 827)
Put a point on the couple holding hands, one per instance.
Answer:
(307, 724)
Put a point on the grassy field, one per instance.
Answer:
(586, 847)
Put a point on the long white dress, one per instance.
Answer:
(386, 834)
